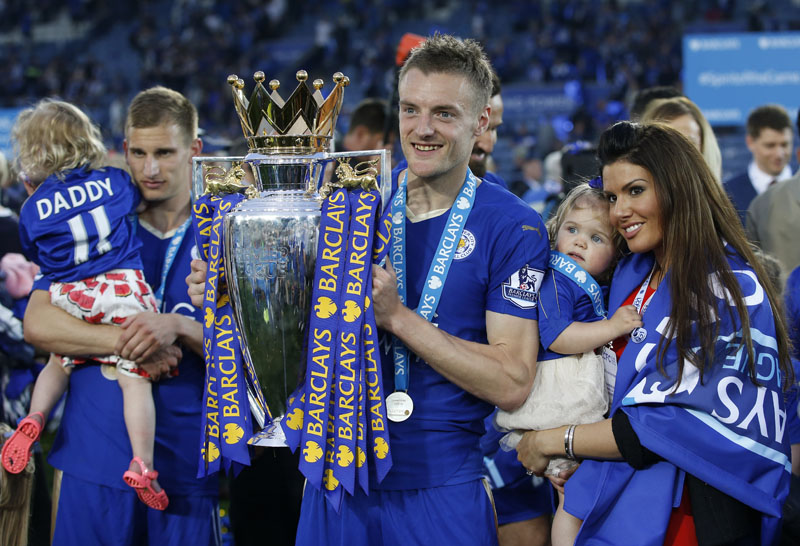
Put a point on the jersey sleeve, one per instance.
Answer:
(518, 264)
(556, 307)
(25, 238)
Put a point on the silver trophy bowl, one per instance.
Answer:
(270, 253)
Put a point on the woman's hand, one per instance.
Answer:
(530, 454)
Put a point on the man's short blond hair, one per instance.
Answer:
(161, 106)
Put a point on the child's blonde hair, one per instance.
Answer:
(54, 136)
(585, 196)
(15, 500)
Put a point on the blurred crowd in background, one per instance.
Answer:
(97, 55)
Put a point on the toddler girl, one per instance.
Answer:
(570, 384)
(76, 226)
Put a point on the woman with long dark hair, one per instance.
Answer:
(694, 450)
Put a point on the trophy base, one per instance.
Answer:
(271, 436)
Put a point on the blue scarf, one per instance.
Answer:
(725, 431)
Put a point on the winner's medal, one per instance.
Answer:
(399, 406)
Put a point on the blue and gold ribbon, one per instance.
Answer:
(226, 416)
(338, 417)
(363, 206)
(322, 342)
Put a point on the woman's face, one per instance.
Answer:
(688, 127)
(635, 211)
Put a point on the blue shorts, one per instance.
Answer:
(523, 500)
(96, 514)
(517, 496)
(451, 514)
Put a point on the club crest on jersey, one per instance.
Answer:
(465, 245)
(522, 289)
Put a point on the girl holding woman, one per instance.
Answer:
(694, 450)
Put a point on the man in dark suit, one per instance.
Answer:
(769, 139)
(773, 221)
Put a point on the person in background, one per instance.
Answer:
(643, 97)
(367, 127)
(481, 158)
(773, 220)
(769, 139)
(685, 117)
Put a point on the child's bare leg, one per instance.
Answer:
(50, 385)
(565, 525)
(140, 419)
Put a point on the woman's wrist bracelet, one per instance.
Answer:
(569, 435)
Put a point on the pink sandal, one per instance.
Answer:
(141, 482)
(17, 449)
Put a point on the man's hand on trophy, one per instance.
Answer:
(385, 298)
(146, 333)
(160, 363)
(197, 282)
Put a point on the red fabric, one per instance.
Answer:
(680, 530)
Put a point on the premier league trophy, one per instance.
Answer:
(262, 250)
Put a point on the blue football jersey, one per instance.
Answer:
(562, 302)
(80, 226)
(498, 266)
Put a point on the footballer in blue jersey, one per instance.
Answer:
(502, 237)
(479, 350)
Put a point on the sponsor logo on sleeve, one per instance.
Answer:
(522, 288)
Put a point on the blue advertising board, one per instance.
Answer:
(7, 118)
(727, 75)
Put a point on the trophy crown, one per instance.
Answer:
(301, 124)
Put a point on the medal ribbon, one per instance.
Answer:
(641, 307)
(169, 257)
(638, 301)
(439, 268)
(567, 266)
(226, 415)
